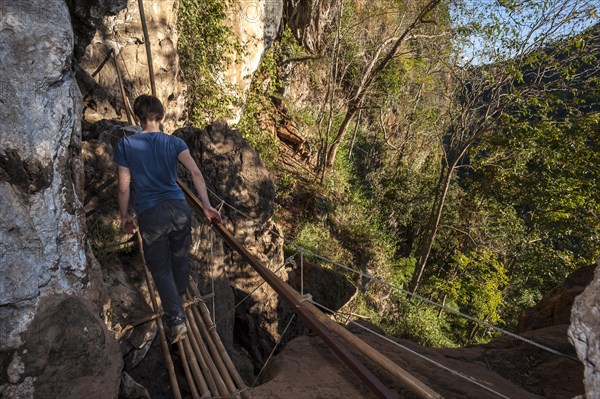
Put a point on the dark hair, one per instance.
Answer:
(148, 108)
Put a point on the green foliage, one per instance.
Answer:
(257, 119)
(288, 44)
(317, 239)
(259, 116)
(286, 185)
(205, 45)
(419, 323)
(542, 162)
(549, 172)
(474, 284)
(402, 318)
(522, 208)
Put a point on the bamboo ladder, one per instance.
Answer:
(207, 366)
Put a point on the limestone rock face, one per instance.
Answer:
(584, 333)
(555, 307)
(102, 26)
(309, 19)
(255, 23)
(87, 16)
(121, 31)
(42, 247)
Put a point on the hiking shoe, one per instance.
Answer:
(178, 332)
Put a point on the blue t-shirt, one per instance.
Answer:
(152, 161)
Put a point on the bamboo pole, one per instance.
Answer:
(201, 360)
(122, 89)
(196, 372)
(104, 61)
(148, 50)
(216, 355)
(188, 373)
(300, 306)
(136, 323)
(221, 389)
(216, 339)
(161, 327)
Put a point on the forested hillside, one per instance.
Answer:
(448, 149)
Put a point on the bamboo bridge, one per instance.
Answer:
(208, 369)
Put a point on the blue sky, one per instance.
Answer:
(504, 28)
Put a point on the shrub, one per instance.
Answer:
(205, 45)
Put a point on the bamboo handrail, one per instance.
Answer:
(128, 111)
(299, 305)
(148, 50)
(159, 321)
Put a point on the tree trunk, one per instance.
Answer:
(374, 69)
(441, 311)
(335, 144)
(434, 222)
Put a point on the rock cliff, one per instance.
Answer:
(309, 20)
(584, 333)
(111, 43)
(106, 27)
(255, 23)
(43, 250)
(42, 246)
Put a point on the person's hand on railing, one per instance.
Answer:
(212, 214)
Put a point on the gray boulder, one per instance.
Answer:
(584, 334)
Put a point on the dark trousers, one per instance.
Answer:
(166, 234)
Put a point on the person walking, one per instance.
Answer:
(149, 159)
